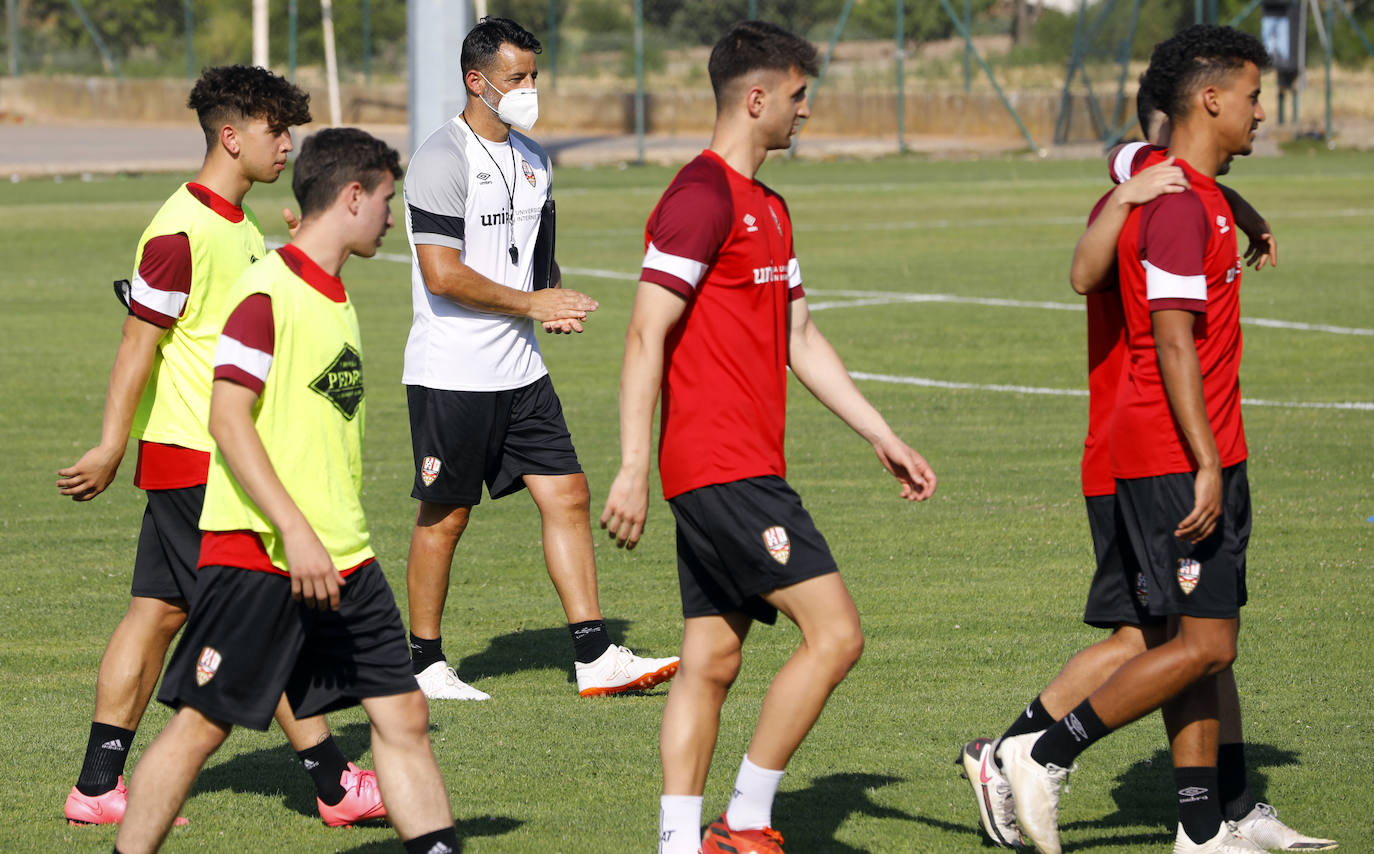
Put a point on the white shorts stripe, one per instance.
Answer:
(1121, 164)
(685, 269)
(231, 351)
(794, 279)
(169, 303)
(1161, 284)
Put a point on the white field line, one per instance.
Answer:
(866, 298)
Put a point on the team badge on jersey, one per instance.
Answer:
(1189, 572)
(429, 470)
(775, 538)
(207, 664)
(526, 168)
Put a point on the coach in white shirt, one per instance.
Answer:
(482, 406)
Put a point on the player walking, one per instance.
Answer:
(197, 245)
(291, 596)
(718, 318)
(482, 406)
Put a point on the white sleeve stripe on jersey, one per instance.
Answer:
(1161, 284)
(1121, 165)
(685, 269)
(235, 353)
(793, 273)
(169, 303)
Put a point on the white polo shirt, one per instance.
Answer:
(458, 193)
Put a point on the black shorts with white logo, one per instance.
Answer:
(1119, 593)
(169, 544)
(1202, 580)
(462, 438)
(246, 641)
(738, 540)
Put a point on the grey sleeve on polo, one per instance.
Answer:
(436, 191)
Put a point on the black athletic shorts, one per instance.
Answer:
(1202, 580)
(169, 544)
(738, 540)
(246, 641)
(462, 438)
(1120, 592)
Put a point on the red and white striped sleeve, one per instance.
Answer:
(1173, 250)
(162, 281)
(244, 353)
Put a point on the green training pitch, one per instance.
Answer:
(946, 285)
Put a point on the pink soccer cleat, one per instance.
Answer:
(107, 808)
(362, 799)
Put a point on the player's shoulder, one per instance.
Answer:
(702, 180)
(443, 151)
(1128, 158)
(527, 145)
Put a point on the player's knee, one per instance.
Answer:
(719, 670)
(1209, 656)
(840, 646)
(158, 618)
(406, 720)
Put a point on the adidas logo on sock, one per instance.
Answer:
(440, 848)
(310, 764)
(114, 744)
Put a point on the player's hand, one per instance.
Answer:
(1263, 248)
(562, 327)
(314, 580)
(627, 508)
(552, 304)
(1199, 524)
(292, 221)
(1149, 184)
(910, 468)
(88, 476)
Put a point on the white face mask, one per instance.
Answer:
(519, 107)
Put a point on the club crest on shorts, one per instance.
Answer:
(207, 664)
(1189, 572)
(528, 170)
(775, 538)
(1142, 589)
(429, 470)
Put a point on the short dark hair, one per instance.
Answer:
(484, 41)
(334, 157)
(1198, 56)
(758, 45)
(233, 93)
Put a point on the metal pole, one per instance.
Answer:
(12, 21)
(968, 45)
(331, 64)
(901, 77)
(367, 42)
(753, 10)
(1197, 12)
(825, 65)
(1369, 48)
(105, 56)
(260, 58)
(190, 40)
(292, 14)
(553, 44)
(1330, 44)
(1244, 13)
(639, 82)
(959, 25)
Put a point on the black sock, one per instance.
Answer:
(107, 748)
(1035, 719)
(425, 652)
(1075, 733)
(325, 764)
(589, 640)
(1198, 809)
(1233, 784)
(429, 843)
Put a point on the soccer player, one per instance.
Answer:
(291, 596)
(1115, 600)
(718, 317)
(482, 405)
(199, 242)
(1177, 451)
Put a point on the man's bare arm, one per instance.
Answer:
(1263, 245)
(1182, 376)
(820, 369)
(447, 276)
(90, 475)
(1094, 258)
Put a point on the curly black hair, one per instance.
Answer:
(1200, 55)
(484, 41)
(758, 45)
(233, 93)
(333, 158)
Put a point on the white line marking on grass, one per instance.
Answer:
(1079, 392)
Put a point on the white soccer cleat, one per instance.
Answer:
(1035, 790)
(619, 670)
(440, 682)
(1262, 826)
(996, 809)
(1227, 841)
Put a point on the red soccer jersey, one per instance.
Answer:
(1106, 364)
(724, 243)
(1179, 252)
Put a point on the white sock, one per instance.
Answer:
(679, 824)
(751, 807)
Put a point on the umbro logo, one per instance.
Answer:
(750, 223)
(113, 744)
(1221, 224)
(484, 177)
(1192, 791)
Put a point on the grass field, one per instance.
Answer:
(970, 601)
